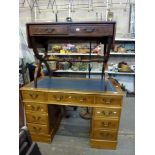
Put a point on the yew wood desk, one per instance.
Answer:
(42, 98)
(43, 110)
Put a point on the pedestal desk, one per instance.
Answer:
(43, 98)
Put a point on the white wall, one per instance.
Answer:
(121, 13)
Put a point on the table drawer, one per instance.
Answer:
(34, 96)
(104, 135)
(103, 144)
(35, 107)
(107, 112)
(108, 100)
(105, 124)
(36, 118)
(92, 30)
(38, 129)
(70, 98)
(48, 30)
(41, 137)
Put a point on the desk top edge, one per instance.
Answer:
(116, 85)
(68, 23)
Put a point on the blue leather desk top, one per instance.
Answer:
(74, 84)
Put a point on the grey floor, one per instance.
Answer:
(72, 138)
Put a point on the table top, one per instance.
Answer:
(76, 84)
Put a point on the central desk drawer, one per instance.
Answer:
(48, 30)
(108, 100)
(35, 107)
(36, 118)
(107, 112)
(34, 96)
(105, 123)
(38, 129)
(70, 98)
(104, 135)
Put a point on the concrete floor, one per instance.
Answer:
(72, 137)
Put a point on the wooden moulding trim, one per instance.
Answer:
(93, 105)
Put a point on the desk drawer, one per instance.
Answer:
(70, 98)
(34, 96)
(108, 100)
(105, 123)
(103, 144)
(35, 107)
(36, 118)
(104, 135)
(48, 30)
(38, 129)
(92, 30)
(107, 112)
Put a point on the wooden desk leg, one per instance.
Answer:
(37, 71)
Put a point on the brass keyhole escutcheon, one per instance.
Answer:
(33, 96)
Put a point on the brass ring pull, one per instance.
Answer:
(33, 96)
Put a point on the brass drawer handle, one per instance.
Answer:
(58, 98)
(106, 124)
(107, 101)
(89, 30)
(49, 30)
(107, 113)
(104, 134)
(36, 129)
(82, 99)
(38, 108)
(33, 96)
(33, 108)
(36, 118)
